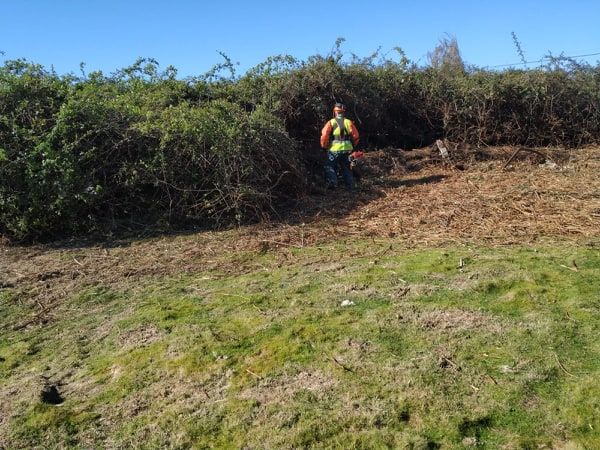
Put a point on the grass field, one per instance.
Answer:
(438, 308)
(446, 347)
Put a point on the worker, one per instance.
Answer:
(339, 137)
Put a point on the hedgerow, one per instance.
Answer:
(110, 152)
(141, 147)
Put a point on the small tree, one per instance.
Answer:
(446, 55)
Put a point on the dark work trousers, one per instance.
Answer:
(341, 160)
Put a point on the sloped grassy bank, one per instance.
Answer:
(455, 346)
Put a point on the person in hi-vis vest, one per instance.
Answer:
(339, 137)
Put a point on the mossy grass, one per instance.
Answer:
(445, 347)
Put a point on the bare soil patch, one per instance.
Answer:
(140, 337)
(458, 320)
(282, 389)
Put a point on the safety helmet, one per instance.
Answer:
(339, 108)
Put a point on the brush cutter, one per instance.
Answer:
(356, 163)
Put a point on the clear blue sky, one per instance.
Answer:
(111, 34)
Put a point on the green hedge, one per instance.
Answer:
(141, 147)
(103, 153)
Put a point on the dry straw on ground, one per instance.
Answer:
(414, 197)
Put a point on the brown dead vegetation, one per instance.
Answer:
(454, 319)
(417, 197)
(284, 388)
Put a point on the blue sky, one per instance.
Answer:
(110, 34)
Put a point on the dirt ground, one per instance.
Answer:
(416, 197)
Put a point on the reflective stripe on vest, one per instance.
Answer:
(341, 142)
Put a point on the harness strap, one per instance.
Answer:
(342, 126)
(340, 122)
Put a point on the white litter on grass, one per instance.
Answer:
(347, 303)
(507, 369)
(442, 148)
(550, 165)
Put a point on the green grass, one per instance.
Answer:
(502, 351)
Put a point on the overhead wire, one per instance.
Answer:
(545, 58)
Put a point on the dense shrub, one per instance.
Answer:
(136, 152)
(30, 98)
(142, 147)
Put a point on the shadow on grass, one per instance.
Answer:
(414, 181)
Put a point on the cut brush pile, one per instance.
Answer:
(414, 197)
